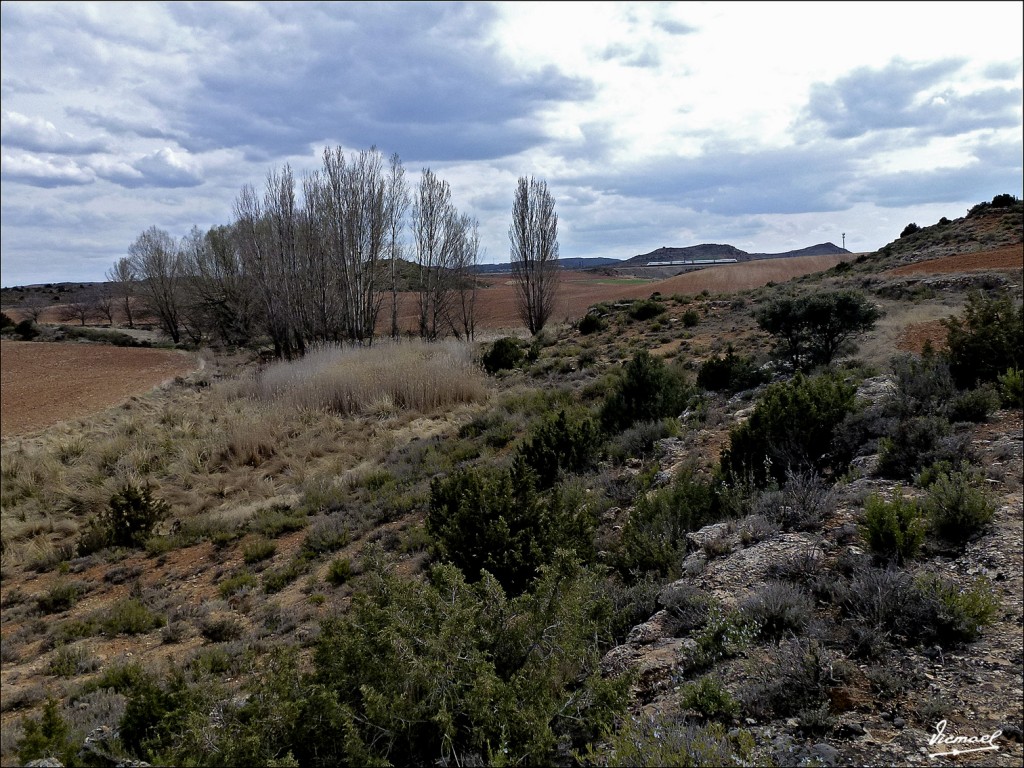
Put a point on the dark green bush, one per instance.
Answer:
(910, 229)
(591, 323)
(646, 390)
(894, 530)
(130, 617)
(917, 443)
(496, 520)
(975, 405)
(5, 321)
(26, 329)
(1011, 388)
(709, 699)
(48, 736)
(691, 318)
(566, 441)
(503, 354)
(639, 440)
(646, 309)
(731, 373)
(128, 521)
(812, 329)
(654, 536)
(791, 430)
(59, 597)
(339, 571)
(956, 509)
(258, 550)
(986, 340)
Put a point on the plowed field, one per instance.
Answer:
(45, 383)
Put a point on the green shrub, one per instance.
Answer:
(960, 614)
(910, 229)
(5, 321)
(956, 509)
(496, 520)
(128, 521)
(812, 329)
(70, 661)
(591, 323)
(278, 520)
(60, 597)
(236, 583)
(795, 682)
(276, 579)
(975, 405)
(569, 441)
(130, 617)
(48, 736)
(691, 318)
(503, 354)
(791, 430)
(985, 341)
(917, 443)
(339, 571)
(26, 330)
(646, 390)
(257, 550)
(220, 629)
(645, 309)
(731, 373)
(639, 440)
(710, 699)
(654, 537)
(894, 530)
(1011, 388)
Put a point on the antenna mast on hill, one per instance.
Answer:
(844, 241)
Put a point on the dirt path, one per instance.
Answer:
(45, 383)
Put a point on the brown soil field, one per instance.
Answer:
(1008, 257)
(580, 290)
(44, 383)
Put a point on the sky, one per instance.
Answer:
(767, 126)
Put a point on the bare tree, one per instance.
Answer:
(105, 303)
(33, 306)
(398, 204)
(433, 218)
(534, 252)
(122, 281)
(79, 310)
(158, 264)
(466, 256)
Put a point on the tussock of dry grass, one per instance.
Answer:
(377, 380)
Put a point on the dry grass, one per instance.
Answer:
(378, 380)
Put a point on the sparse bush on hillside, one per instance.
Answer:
(986, 340)
(957, 509)
(498, 521)
(894, 529)
(812, 329)
(646, 390)
(731, 373)
(127, 521)
(646, 309)
(651, 741)
(909, 230)
(591, 323)
(504, 354)
(917, 443)
(566, 441)
(654, 537)
(791, 429)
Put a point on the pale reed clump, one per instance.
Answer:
(407, 375)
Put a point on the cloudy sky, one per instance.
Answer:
(769, 126)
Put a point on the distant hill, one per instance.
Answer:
(573, 263)
(714, 251)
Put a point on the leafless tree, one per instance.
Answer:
(33, 306)
(158, 264)
(534, 252)
(398, 204)
(433, 219)
(219, 286)
(466, 256)
(105, 303)
(122, 281)
(78, 310)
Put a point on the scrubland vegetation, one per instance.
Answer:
(435, 553)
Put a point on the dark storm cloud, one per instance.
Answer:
(416, 79)
(901, 95)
